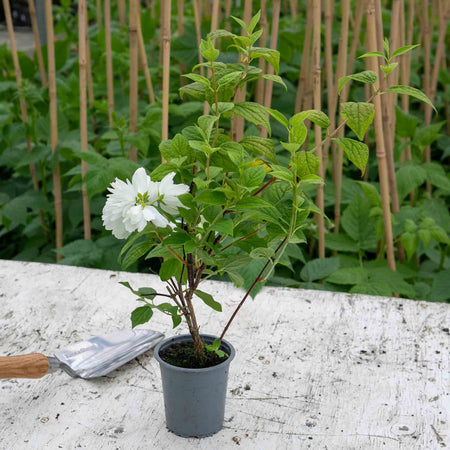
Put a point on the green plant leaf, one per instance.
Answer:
(141, 315)
(439, 289)
(169, 268)
(369, 54)
(253, 112)
(403, 50)
(412, 92)
(271, 56)
(314, 115)
(307, 163)
(208, 300)
(259, 146)
(209, 197)
(368, 77)
(409, 242)
(409, 177)
(360, 115)
(351, 276)
(135, 252)
(319, 268)
(278, 116)
(357, 152)
(275, 79)
(380, 288)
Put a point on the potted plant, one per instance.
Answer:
(214, 206)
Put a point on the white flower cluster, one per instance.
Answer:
(131, 205)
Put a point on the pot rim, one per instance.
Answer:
(187, 369)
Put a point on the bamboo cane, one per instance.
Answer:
(293, 8)
(207, 8)
(165, 46)
(82, 56)
(341, 70)
(37, 42)
(23, 105)
(304, 68)
(90, 83)
(122, 11)
(228, 14)
(259, 89)
(317, 130)
(379, 136)
(198, 28)
(144, 61)
(109, 66)
(98, 7)
(54, 125)
(238, 121)
(427, 34)
(180, 15)
(133, 33)
(273, 45)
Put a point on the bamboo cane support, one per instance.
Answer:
(54, 125)
(379, 136)
(165, 46)
(133, 33)
(259, 89)
(293, 8)
(304, 68)
(144, 62)
(238, 122)
(37, 42)
(109, 65)
(82, 56)
(198, 30)
(341, 70)
(316, 47)
(122, 11)
(273, 45)
(228, 14)
(18, 73)
(98, 8)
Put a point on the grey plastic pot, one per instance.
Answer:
(194, 399)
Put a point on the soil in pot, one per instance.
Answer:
(181, 354)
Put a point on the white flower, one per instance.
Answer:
(131, 205)
(169, 193)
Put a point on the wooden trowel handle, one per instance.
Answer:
(33, 365)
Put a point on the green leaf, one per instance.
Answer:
(351, 275)
(278, 116)
(223, 226)
(315, 116)
(253, 112)
(380, 288)
(358, 223)
(307, 163)
(262, 252)
(360, 116)
(440, 288)
(209, 197)
(195, 90)
(241, 23)
(409, 242)
(319, 268)
(437, 176)
(253, 203)
(412, 92)
(271, 56)
(341, 243)
(141, 315)
(253, 22)
(259, 146)
(208, 51)
(409, 177)
(369, 54)
(252, 177)
(135, 253)
(402, 50)
(371, 193)
(439, 235)
(368, 77)
(357, 152)
(208, 300)
(198, 78)
(282, 173)
(219, 34)
(169, 268)
(276, 79)
(405, 124)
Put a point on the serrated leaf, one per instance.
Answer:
(271, 56)
(412, 92)
(367, 76)
(276, 79)
(254, 113)
(141, 315)
(409, 177)
(223, 226)
(359, 115)
(208, 300)
(319, 268)
(307, 163)
(409, 242)
(440, 288)
(341, 243)
(259, 146)
(351, 275)
(357, 152)
(220, 34)
(315, 116)
(278, 116)
(169, 268)
(195, 90)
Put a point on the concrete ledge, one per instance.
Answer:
(313, 369)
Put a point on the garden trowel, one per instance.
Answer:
(88, 359)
